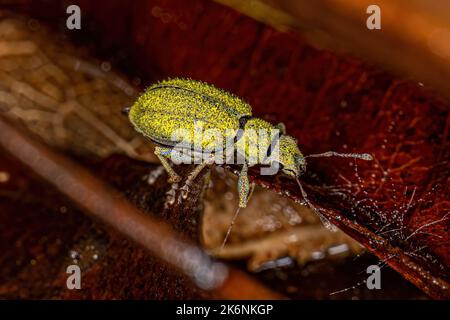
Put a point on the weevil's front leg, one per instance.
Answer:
(162, 154)
(243, 186)
(191, 177)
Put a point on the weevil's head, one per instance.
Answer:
(291, 160)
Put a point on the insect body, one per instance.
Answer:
(171, 105)
(170, 111)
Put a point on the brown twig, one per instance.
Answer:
(107, 205)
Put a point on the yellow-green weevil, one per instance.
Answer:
(180, 105)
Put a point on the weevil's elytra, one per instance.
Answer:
(176, 104)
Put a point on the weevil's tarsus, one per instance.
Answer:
(362, 156)
(327, 224)
(170, 105)
(162, 153)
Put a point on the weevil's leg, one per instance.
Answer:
(227, 235)
(252, 189)
(191, 177)
(322, 218)
(280, 126)
(362, 156)
(243, 186)
(162, 153)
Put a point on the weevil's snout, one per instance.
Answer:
(126, 111)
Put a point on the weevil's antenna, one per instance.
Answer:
(324, 220)
(362, 156)
(234, 218)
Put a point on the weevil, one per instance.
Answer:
(174, 104)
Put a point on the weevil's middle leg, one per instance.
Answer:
(191, 177)
(162, 153)
(282, 127)
(327, 224)
(362, 156)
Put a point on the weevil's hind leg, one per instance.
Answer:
(362, 156)
(162, 154)
(191, 177)
(322, 218)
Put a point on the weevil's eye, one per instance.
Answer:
(126, 110)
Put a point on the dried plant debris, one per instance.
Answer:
(70, 101)
(272, 227)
